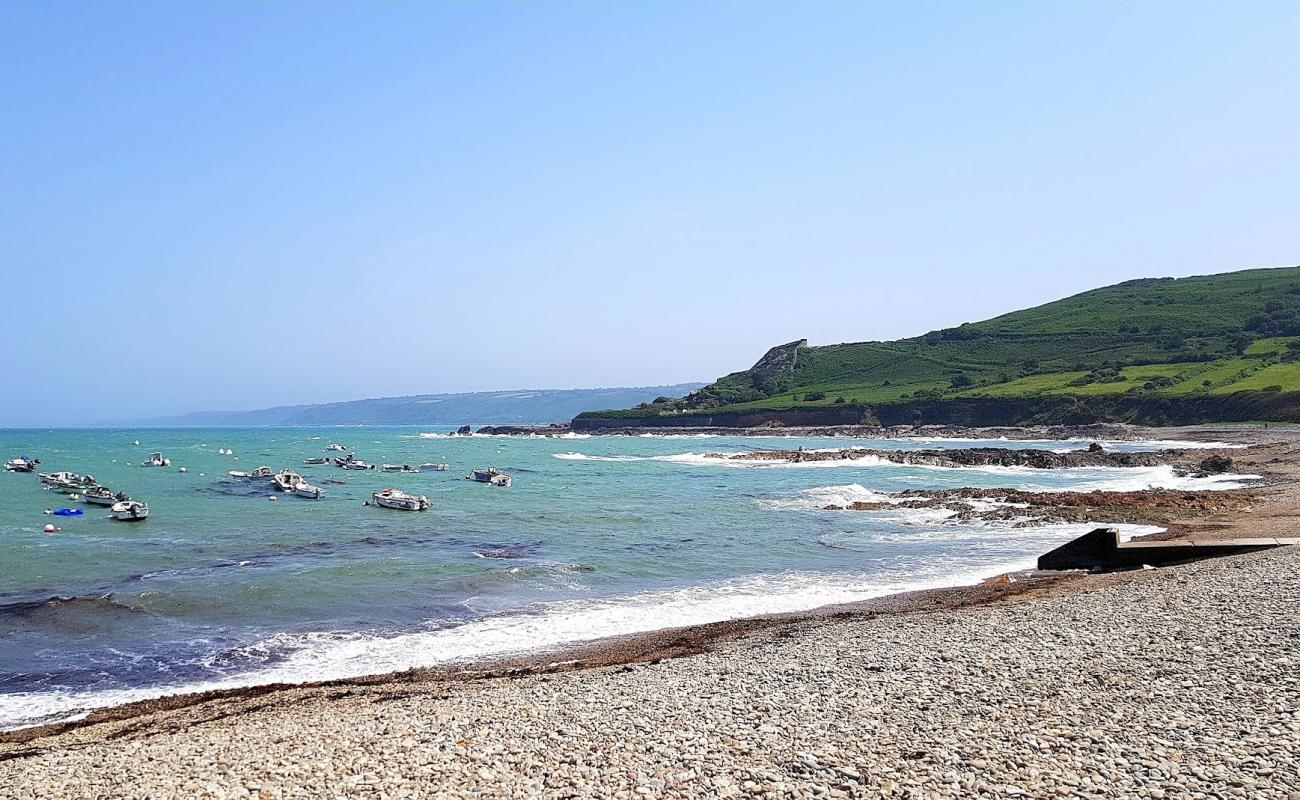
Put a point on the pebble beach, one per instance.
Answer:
(1177, 682)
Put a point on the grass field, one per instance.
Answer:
(1195, 337)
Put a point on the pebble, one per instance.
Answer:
(1170, 683)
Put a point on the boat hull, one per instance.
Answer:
(401, 502)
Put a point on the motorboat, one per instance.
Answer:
(103, 496)
(130, 511)
(490, 475)
(434, 467)
(398, 468)
(337, 447)
(67, 482)
(286, 481)
(392, 498)
(68, 512)
(23, 464)
(352, 462)
(304, 489)
(259, 474)
(316, 460)
(156, 460)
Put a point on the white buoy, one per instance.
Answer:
(50, 529)
(183, 469)
(137, 442)
(271, 498)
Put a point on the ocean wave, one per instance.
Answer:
(818, 497)
(1119, 479)
(976, 535)
(306, 657)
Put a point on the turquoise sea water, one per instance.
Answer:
(598, 536)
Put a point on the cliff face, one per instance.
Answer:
(992, 412)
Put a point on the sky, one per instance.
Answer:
(230, 205)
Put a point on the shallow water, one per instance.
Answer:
(598, 536)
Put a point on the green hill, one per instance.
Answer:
(1154, 350)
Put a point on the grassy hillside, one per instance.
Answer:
(1199, 337)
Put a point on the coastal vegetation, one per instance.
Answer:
(1155, 350)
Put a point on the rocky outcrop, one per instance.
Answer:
(1036, 508)
(554, 429)
(976, 457)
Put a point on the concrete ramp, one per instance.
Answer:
(1101, 549)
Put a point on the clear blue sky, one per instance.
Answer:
(239, 204)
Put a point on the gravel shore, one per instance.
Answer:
(1180, 682)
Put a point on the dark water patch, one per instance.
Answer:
(830, 541)
(230, 488)
(508, 551)
(65, 614)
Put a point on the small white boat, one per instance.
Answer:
(67, 482)
(304, 489)
(391, 498)
(23, 464)
(130, 511)
(286, 481)
(156, 460)
(103, 496)
(340, 448)
(354, 463)
(398, 468)
(492, 475)
(259, 474)
(434, 467)
(316, 460)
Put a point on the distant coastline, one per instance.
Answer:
(515, 406)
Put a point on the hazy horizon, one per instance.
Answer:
(247, 205)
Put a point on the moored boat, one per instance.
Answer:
(156, 460)
(286, 481)
(352, 462)
(22, 464)
(304, 489)
(392, 498)
(259, 474)
(338, 447)
(316, 460)
(491, 475)
(103, 496)
(130, 511)
(434, 467)
(398, 468)
(67, 482)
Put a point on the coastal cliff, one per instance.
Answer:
(1156, 351)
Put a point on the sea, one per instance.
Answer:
(228, 585)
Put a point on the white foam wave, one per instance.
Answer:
(546, 626)
(1118, 479)
(819, 497)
